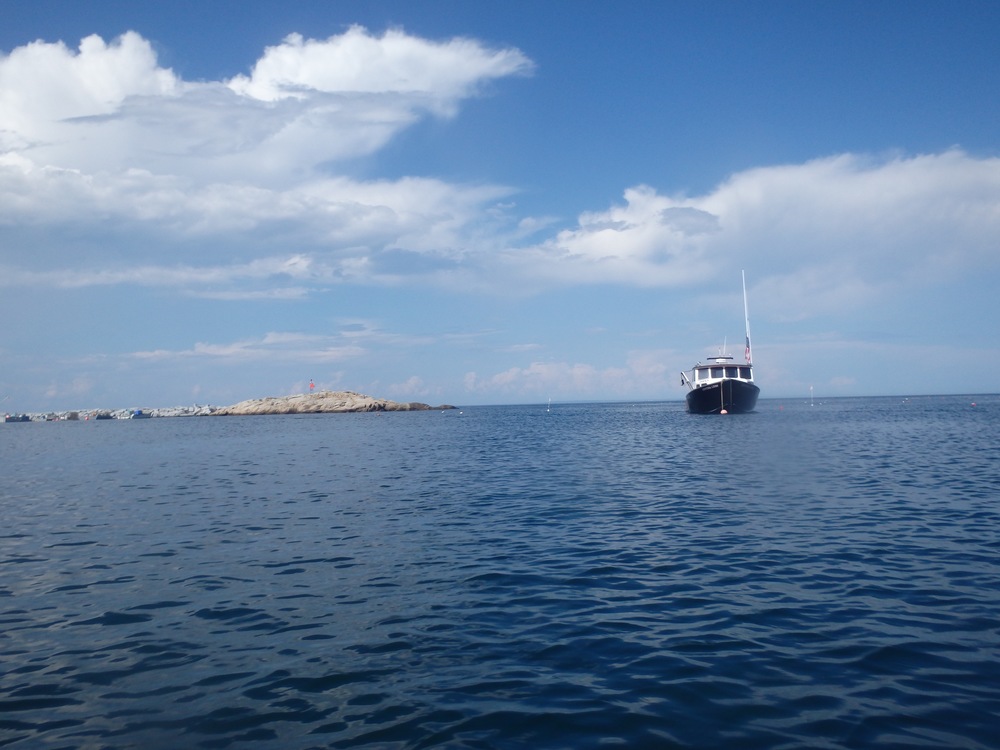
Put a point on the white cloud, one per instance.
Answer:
(276, 293)
(361, 331)
(644, 371)
(395, 63)
(349, 340)
(346, 230)
(827, 233)
(306, 348)
(651, 240)
(108, 107)
(297, 267)
(45, 87)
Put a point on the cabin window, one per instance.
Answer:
(717, 372)
(731, 372)
(745, 373)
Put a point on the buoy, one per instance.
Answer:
(723, 412)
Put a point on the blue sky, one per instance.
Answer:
(471, 203)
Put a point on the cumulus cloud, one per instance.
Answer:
(649, 240)
(114, 170)
(107, 107)
(45, 88)
(395, 63)
(826, 233)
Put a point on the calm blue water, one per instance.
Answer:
(819, 576)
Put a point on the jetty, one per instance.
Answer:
(321, 402)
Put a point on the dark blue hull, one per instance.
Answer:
(733, 396)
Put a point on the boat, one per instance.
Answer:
(16, 418)
(139, 414)
(721, 385)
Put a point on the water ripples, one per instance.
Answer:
(507, 577)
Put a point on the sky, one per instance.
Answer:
(495, 203)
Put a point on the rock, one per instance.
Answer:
(323, 402)
(183, 411)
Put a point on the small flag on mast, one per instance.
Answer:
(748, 350)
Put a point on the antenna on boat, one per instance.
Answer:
(746, 316)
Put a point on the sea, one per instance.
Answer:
(619, 575)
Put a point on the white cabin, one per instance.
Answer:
(716, 369)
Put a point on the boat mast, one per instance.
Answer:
(746, 316)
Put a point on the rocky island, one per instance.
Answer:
(323, 402)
